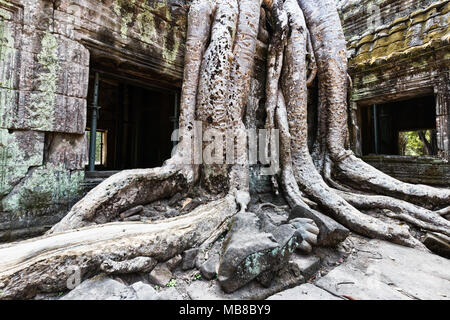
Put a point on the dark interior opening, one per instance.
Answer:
(405, 127)
(135, 123)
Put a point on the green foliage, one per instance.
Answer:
(197, 276)
(98, 147)
(411, 145)
(172, 283)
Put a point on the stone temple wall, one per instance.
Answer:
(361, 16)
(401, 50)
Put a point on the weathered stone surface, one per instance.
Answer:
(307, 266)
(403, 36)
(211, 290)
(209, 268)
(39, 111)
(37, 194)
(331, 232)
(173, 263)
(189, 257)
(383, 271)
(43, 189)
(160, 275)
(67, 150)
(175, 199)
(306, 291)
(366, 15)
(9, 61)
(101, 289)
(53, 87)
(170, 294)
(250, 250)
(19, 151)
(413, 169)
(437, 244)
(144, 291)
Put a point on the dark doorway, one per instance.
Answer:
(400, 128)
(135, 123)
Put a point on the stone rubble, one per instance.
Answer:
(371, 270)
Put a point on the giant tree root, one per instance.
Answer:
(402, 210)
(361, 175)
(45, 264)
(121, 192)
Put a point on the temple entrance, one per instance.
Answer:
(133, 123)
(405, 128)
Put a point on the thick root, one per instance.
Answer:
(290, 187)
(406, 211)
(239, 88)
(358, 174)
(121, 192)
(45, 264)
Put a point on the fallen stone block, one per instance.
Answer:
(173, 263)
(189, 258)
(307, 266)
(133, 219)
(331, 232)
(131, 212)
(139, 264)
(255, 248)
(144, 291)
(101, 289)
(438, 245)
(160, 275)
(209, 268)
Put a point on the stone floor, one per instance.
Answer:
(378, 270)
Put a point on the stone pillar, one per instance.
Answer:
(442, 93)
(355, 128)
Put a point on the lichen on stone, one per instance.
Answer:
(43, 101)
(406, 36)
(123, 9)
(43, 187)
